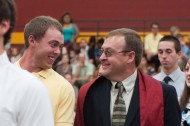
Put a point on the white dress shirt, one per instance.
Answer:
(177, 80)
(24, 100)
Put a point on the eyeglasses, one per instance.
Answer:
(109, 53)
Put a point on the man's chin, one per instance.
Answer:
(47, 67)
(103, 73)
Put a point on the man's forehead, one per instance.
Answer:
(115, 40)
(166, 45)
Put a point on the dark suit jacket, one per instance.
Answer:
(97, 111)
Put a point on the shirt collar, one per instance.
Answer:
(43, 73)
(174, 75)
(128, 83)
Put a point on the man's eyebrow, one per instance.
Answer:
(165, 49)
(55, 41)
(52, 41)
(168, 49)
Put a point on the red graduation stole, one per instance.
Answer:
(151, 101)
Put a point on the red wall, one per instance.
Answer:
(159, 10)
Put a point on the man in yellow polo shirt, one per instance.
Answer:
(150, 45)
(43, 41)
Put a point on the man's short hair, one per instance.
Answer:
(174, 40)
(38, 26)
(8, 12)
(132, 40)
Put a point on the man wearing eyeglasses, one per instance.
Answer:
(122, 95)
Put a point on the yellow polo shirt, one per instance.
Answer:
(151, 43)
(61, 94)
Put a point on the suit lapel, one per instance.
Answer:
(103, 99)
(134, 106)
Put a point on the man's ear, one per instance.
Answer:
(4, 26)
(31, 40)
(131, 56)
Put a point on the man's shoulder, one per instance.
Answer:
(22, 77)
(58, 79)
(19, 72)
(168, 89)
(97, 82)
(180, 76)
(181, 73)
(56, 75)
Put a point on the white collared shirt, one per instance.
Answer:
(24, 100)
(128, 84)
(177, 79)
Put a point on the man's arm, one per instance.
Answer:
(65, 111)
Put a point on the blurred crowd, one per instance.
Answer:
(79, 61)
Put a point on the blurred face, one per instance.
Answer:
(113, 59)
(187, 73)
(167, 55)
(14, 51)
(155, 29)
(48, 48)
(83, 43)
(65, 59)
(72, 53)
(67, 19)
(81, 58)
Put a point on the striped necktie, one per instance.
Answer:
(119, 110)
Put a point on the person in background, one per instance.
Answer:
(82, 71)
(63, 66)
(122, 95)
(169, 52)
(14, 55)
(188, 41)
(185, 52)
(97, 50)
(73, 56)
(24, 99)
(184, 100)
(83, 46)
(91, 50)
(150, 46)
(70, 31)
(143, 66)
(174, 31)
(184, 48)
(43, 43)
